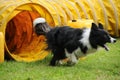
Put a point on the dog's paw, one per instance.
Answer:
(59, 63)
(70, 63)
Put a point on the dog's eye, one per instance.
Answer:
(106, 36)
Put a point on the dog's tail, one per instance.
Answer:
(40, 26)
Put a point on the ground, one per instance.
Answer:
(103, 65)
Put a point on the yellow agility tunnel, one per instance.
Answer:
(16, 17)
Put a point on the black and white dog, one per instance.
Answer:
(71, 43)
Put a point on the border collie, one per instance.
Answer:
(72, 43)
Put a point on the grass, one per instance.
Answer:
(103, 65)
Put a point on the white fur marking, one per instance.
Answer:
(112, 40)
(67, 54)
(38, 20)
(71, 56)
(60, 62)
(85, 38)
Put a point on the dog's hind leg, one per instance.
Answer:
(53, 61)
(56, 57)
(58, 54)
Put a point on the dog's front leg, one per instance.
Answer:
(72, 59)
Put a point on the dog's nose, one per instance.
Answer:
(113, 40)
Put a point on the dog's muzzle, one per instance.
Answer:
(112, 40)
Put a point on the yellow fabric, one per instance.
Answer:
(61, 12)
(58, 13)
(1, 47)
(110, 15)
(71, 6)
(68, 13)
(21, 41)
(51, 10)
(35, 50)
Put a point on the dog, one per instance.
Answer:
(72, 43)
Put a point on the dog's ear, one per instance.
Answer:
(100, 26)
(94, 26)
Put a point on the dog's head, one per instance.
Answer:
(40, 26)
(99, 37)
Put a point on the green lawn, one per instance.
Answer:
(103, 65)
